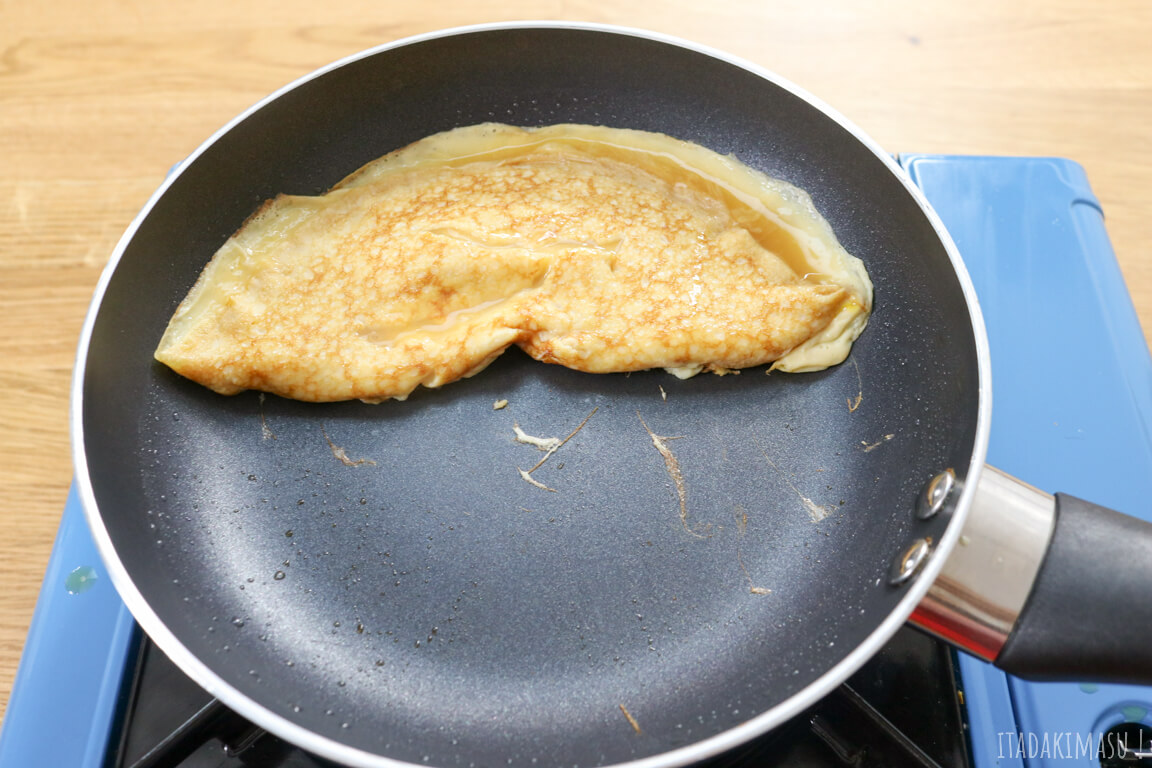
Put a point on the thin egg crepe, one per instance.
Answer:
(604, 250)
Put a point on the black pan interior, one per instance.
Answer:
(431, 605)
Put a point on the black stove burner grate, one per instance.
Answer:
(901, 710)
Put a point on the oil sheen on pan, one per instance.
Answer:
(601, 249)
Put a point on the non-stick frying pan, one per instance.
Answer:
(376, 583)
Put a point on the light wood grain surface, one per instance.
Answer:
(99, 99)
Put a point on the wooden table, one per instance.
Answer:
(99, 99)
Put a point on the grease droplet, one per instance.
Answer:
(81, 580)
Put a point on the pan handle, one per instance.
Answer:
(1047, 587)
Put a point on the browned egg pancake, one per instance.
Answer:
(604, 250)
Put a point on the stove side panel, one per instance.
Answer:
(67, 687)
(1072, 404)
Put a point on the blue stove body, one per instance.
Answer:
(1071, 406)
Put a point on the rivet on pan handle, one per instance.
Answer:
(936, 492)
(928, 505)
(907, 564)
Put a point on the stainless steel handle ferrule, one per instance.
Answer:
(982, 588)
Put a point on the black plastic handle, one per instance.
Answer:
(1089, 615)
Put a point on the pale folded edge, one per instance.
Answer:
(229, 265)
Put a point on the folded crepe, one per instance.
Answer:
(604, 250)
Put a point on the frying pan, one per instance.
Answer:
(378, 585)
